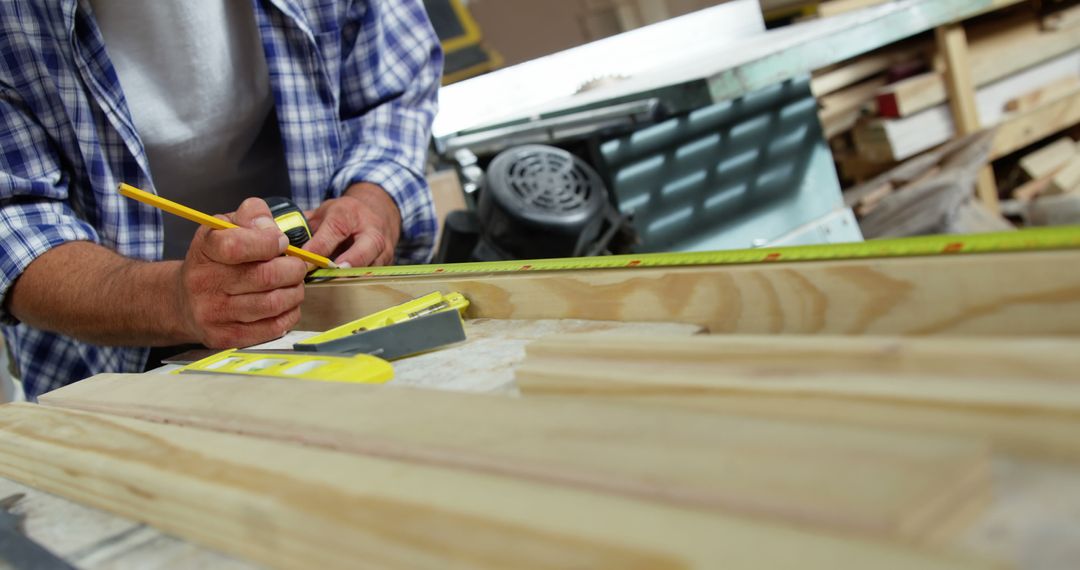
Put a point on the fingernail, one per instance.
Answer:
(263, 222)
(344, 265)
(283, 242)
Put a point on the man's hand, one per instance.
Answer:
(236, 288)
(357, 230)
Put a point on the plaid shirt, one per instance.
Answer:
(355, 85)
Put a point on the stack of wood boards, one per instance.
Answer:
(1027, 76)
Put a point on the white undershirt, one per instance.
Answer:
(196, 82)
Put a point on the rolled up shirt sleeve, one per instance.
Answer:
(389, 90)
(34, 213)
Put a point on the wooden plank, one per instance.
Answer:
(1024, 395)
(919, 485)
(1066, 19)
(1028, 128)
(1052, 360)
(996, 294)
(290, 506)
(1049, 92)
(952, 44)
(1048, 159)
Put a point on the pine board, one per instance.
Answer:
(1022, 394)
(859, 480)
(290, 506)
(1034, 293)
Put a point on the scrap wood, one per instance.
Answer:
(799, 473)
(292, 506)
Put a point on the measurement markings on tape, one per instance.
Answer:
(1042, 239)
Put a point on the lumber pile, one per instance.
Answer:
(1017, 71)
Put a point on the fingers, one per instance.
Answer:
(331, 232)
(280, 272)
(367, 249)
(242, 245)
(253, 213)
(255, 307)
(247, 334)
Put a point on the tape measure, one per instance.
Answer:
(290, 220)
(1040, 239)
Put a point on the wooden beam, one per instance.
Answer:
(290, 506)
(952, 43)
(919, 483)
(996, 294)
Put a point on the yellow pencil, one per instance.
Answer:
(207, 220)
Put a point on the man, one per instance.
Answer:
(208, 102)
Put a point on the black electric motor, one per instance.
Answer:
(536, 201)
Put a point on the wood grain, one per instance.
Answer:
(1054, 361)
(860, 480)
(1036, 293)
(289, 506)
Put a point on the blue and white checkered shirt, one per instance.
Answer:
(355, 86)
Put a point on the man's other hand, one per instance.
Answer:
(359, 229)
(236, 288)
